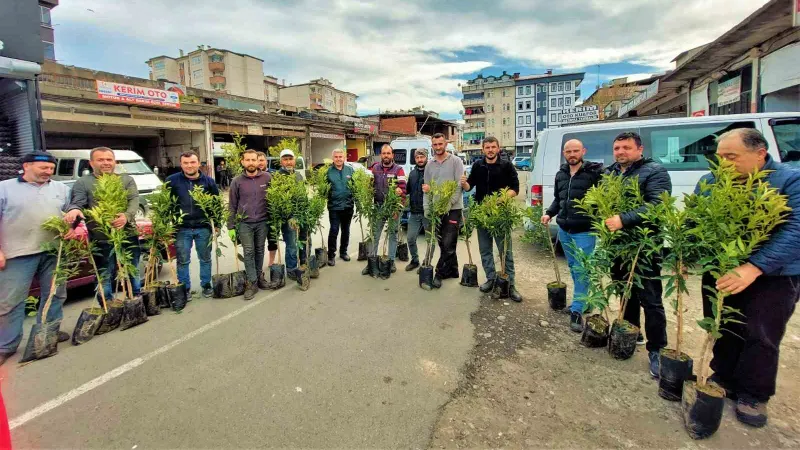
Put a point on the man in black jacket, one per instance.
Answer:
(416, 215)
(571, 183)
(489, 175)
(653, 180)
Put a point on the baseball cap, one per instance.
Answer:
(287, 152)
(38, 156)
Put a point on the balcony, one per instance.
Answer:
(217, 79)
(216, 66)
(474, 116)
(468, 128)
(473, 101)
(315, 96)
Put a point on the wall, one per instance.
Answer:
(177, 142)
(294, 96)
(321, 149)
(270, 92)
(405, 125)
(358, 144)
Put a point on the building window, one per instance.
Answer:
(527, 90)
(567, 85)
(45, 16)
(560, 102)
(527, 134)
(49, 51)
(528, 105)
(505, 92)
(528, 119)
(552, 103)
(520, 134)
(488, 95)
(552, 117)
(567, 101)
(519, 106)
(538, 88)
(552, 87)
(519, 120)
(560, 87)
(519, 90)
(216, 57)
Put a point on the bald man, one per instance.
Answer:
(572, 181)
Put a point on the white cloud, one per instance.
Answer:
(400, 54)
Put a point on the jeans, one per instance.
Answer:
(253, 237)
(201, 237)
(746, 356)
(487, 255)
(106, 261)
(376, 236)
(15, 281)
(290, 238)
(648, 296)
(415, 223)
(448, 239)
(341, 218)
(585, 242)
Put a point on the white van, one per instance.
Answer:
(73, 164)
(682, 145)
(404, 150)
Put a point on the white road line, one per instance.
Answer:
(127, 367)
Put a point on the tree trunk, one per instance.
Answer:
(52, 293)
(627, 293)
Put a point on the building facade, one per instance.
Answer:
(214, 70)
(539, 101)
(46, 29)
(319, 94)
(488, 111)
(271, 88)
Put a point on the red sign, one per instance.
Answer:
(125, 93)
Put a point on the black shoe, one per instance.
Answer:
(262, 282)
(576, 322)
(514, 294)
(208, 291)
(394, 268)
(437, 282)
(640, 339)
(63, 336)
(345, 257)
(655, 364)
(412, 265)
(751, 412)
(487, 287)
(250, 290)
(332, 261)
(291, 274)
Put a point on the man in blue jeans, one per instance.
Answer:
(416, 213)
(195, 228)
(25, 203)
(290, 236)
(572, 181)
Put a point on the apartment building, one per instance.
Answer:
(319, 94)
(488, 111)
(539, 102)
(47, 31)
(213, 69)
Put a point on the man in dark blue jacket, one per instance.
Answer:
(195, 228)
(416, 213)
(340, 206)
(765, 289)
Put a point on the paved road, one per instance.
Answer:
(353, 362)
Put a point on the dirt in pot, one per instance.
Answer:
(222, 285)
(501, 287)
(702, 408)
(238, 282)
(675, 369)
(469, 275)
(42, 342)
(363, 252)
(426, 277)
(303, 279)
(112, 318)
(133, 313)
(162, 295)
(322, 259)
(177, 296)
(384, 267)
(86, 327)
(150, 300)
(402, 252)
(373, 267)
(313, 266)
(277, 276)
(622, 339)
(557, 295)
(595, 332)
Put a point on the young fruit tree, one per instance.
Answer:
(539, 235)
(361, 185)
(469, 273)
(438, 204)
(233, 155)
(216, 213)
(389, 212)
(320, 188)
(499, 214)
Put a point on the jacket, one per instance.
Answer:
(382, 175)
(778, 256)
(653, 180)
(570, 188)
(488, 178)
(248, 195)
(83, 198)
(180, 186)
(340, 197)
(415, 181)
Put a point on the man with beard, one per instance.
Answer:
(290, 236)
(195, 228)
(445, 167)
(340, 206)
(572, 181)
(416, 216)
(490, 175)
(262, 161)
(248, 196)
(382, 172)
(653, 180)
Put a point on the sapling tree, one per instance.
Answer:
(166, 217)
(389, 211)
(216, 213)
(361, 185)
(233, 155)
(468, 226)
(280, 204)
(320, 188)
(69, 254)
(499, 214)
(438, 199)
(539, 235)
(285, 143)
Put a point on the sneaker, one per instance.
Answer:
(190, 295)
(332, 261)
(394, 268)
(576, 322)
(751, 412)
(640, 339)
(514, 294)
(208, 291)
(655, 364)
(345, 257)
(63, 336)
(437, 282)
(262, 281)
(412, 265)
(487, 287)
(250, 290)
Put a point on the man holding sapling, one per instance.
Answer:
(571, 183)
(416, 215)
(382, 172)
(290, 236)
(103, 162)
(764, 290)
(340, 206)
(445, 167)
(653, 180)
(26, 203)
(247, 197)
(195, 228)
(489, 175)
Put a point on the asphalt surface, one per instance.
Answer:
(353, 362)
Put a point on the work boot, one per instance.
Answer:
(655, 364)
(332, 261)
(514, 294)
(437, 282)
(250, 290)
(262, 282)
(412, 265)
(487, 287)
(394, 268)
(208, 291)
(345, 257)
(576, 322)
(751, 412)
(63, 336)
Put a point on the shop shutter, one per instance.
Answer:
(15, 109)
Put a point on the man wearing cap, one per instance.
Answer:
(416, 214)
(383, 172)
(290, 237)
(340, 206)
(25, 204)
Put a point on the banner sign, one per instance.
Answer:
(580, 114)
(729, 91)
(314, 134)
(125, 93)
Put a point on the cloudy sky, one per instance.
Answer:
(401, 53)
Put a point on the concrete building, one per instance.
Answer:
(488, 111)
(48, 33)
(212, 69)
(610, 96)
(539, 102)
(319, 94)
(271, 88)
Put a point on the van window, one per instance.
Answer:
(400, 156)
(82, 166)
(599, 144)
(66, 167)
(299, 164)
(685, 147)
(134, 167)
(787, 135)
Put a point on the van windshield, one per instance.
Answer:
(787, 135)
(135, 167)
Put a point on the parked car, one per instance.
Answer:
(522, 163)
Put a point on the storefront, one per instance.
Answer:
(356, 147)
(322, 145)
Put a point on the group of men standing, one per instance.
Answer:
(765, 289)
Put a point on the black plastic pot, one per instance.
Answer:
(622, 339)
(595, 332)
(557, 295)
(86, 327)
(426, 277)
(177, 296)
(373, 268)
(150, 300)
(133, 313)
(322, 258)
(702, 408)
(112, 318)
(501, 287)
(222, 286)
(313, 266)
(162, 296)
(42, 342)
(303, 280)
(384, 267)
(277, 276)
(469, 275)
(402, 251)
(363, 252)
(675, 370)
